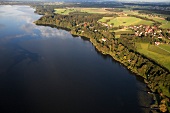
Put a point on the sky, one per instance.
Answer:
(97, 0)
(147, 0)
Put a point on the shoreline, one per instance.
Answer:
(102, 52)
(156, 102)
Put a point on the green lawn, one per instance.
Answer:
(104, 19)
(165, 23)
(158, 49)
(64, 11)
(154, 53)
(125, 21)
(122, 31)
(165, 46)
(94, 10)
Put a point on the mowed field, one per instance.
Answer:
(125, 21)
(66, 11)
(122, 31)
(164, 23)
(94, 10)
(165, 47)
(160, 54)
(104, 19)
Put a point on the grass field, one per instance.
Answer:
(158, 49)
(122, 31)
(159, 55)
(165, 23)
(165, 46)
(125, 21)
(104, 19)
(66, 11)
(130, 12)
(94, 10)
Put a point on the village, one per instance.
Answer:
(152, 32)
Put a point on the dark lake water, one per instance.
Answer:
(47, 70)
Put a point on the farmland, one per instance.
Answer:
(118, 21)
(156, 53)
(105, 19)
(94, 10)
(124, 36)
(125, 21)
(165, 46)
(164, 23)
(122, 31)
(66, 11)
(161, 53)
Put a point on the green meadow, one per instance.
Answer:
(64, 11)
(156, 53)
(125, 21)
(164, 23)
(122, 31)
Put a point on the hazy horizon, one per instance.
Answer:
(93, 0)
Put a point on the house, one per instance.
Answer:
(140, 34)
(150, 30)
(159, 37)
(129, 60)
(104, 39)
(105, 24)
(85, 24)
(157, 43)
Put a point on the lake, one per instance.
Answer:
(47, 70)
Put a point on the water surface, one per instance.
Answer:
(47, 70)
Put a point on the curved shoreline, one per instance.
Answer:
(102, 52)
(131, 69)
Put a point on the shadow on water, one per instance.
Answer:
(106, 57)
(87, 86)
(21, 54)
